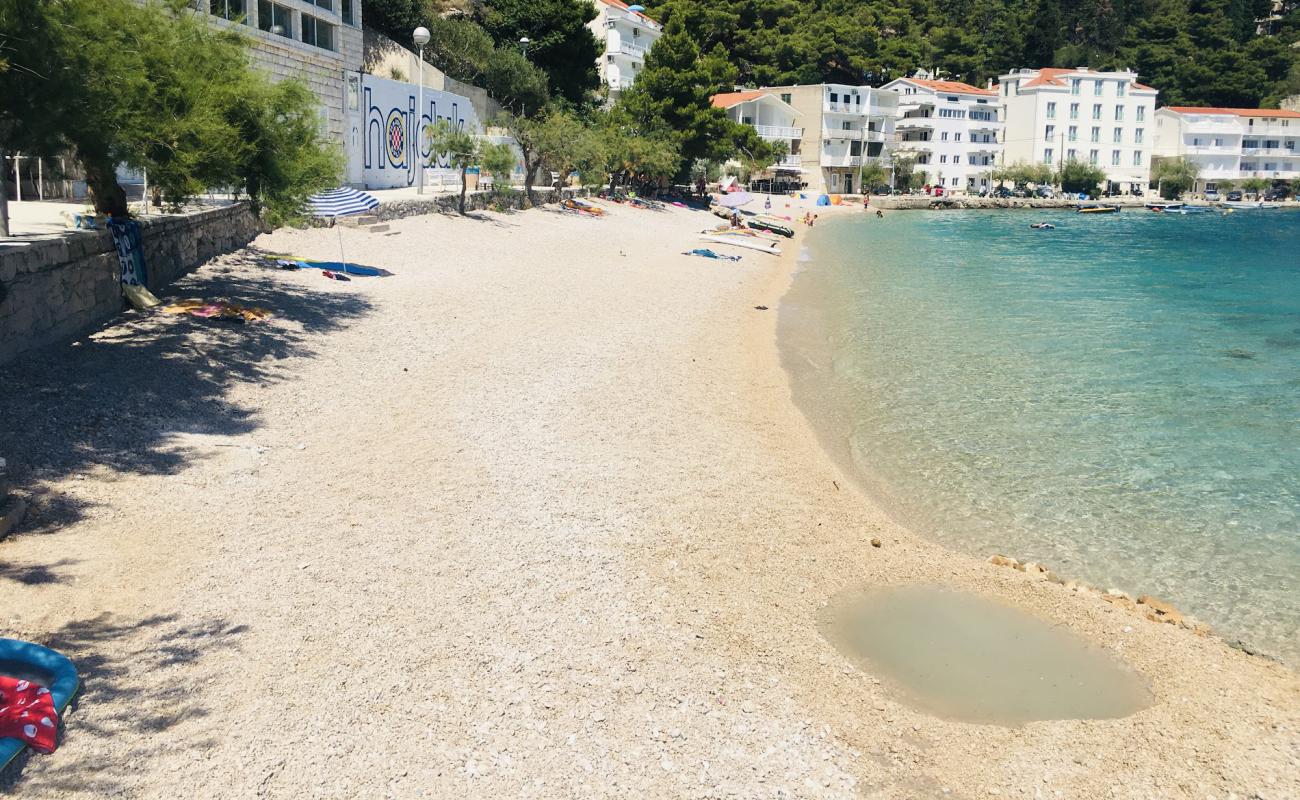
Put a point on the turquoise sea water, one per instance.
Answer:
(1118, 398)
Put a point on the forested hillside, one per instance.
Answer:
(1197, 52)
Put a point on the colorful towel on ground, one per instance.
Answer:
(27, 714)
(130, 251)
(221, 311)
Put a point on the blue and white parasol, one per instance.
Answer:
(341, 202)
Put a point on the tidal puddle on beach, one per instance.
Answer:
(960, 656)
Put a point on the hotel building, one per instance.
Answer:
(953, 131)
(843, 127)
(775, 120)
(1102, 118)
(1230, 144)
(628, 35)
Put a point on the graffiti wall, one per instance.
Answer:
(392, 141)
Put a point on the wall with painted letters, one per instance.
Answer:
(391, 138)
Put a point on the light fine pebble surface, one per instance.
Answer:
(532, 517)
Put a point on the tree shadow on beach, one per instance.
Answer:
(122, 697)
(113, 398)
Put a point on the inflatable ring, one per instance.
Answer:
(41, 665)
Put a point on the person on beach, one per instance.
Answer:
(880, 213)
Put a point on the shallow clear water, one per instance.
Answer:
(962, 656)
(1118, 398)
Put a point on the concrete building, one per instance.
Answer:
(1101, 118)
(843, 128)
(316, 41)
(776, 121)
(952, 129)
(628, 35)
(1231, 144)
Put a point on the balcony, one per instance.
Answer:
(843, 108)
(778, 132)
(914, 122)
(853, 135)
(840, 160)
(795, 161)
(634, 50)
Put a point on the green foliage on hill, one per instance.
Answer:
(1197, 52)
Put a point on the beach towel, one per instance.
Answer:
(704, 252)
(228, 312)
(287, 262)
(130, 251)
(27, 714)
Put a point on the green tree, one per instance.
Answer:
(457, 147)
(560, 43)
(1080, 176)
(905, 175)
(498, 160)
(1255, 186)
(873, 174)
(1174, 176)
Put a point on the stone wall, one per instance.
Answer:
(55, 289)
(447, 203)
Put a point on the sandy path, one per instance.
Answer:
(532, 518)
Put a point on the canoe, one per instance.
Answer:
(748, 243)
(774, 227)
(42, 666)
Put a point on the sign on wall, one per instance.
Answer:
(391, 140)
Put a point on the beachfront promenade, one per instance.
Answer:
(534, 516)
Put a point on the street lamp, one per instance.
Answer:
(421, 37)
(523, 44)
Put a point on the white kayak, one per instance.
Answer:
(748, 242)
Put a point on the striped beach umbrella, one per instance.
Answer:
(341, 202)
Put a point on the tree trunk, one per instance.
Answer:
(462, 189)
(4, 197)
(101, 180)
(530, 175)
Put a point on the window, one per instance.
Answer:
(1119, 113)
(943, 159)
(1119, 136)
(328, 5)
(1047, 155)
(1248, 166)
(1141, 113)
(951, 99)
(1096, 111)
(786, 98)
(953, 182)
(1196, 141)
(1137, 136)
(844, 126)
(1051, 110)
(1096, 134)
(1074, 133)
(1049, 131)
(944, 136)
(1092, 156)
(1249, 144)
(233, 10)
(956, 137)
(636, 33)
(952, 113)
(1076, 85)
(317, 32)
(1114, 158)
(1071, 154)
(1137, 158)
(1269, 166)
(347, 11)
(1270, 144)
(1074, 111)
(1290, 144)
(1097, 87)
(1120, 88)
(274, 18)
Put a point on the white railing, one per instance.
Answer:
(778, 132)
(843, 108)
(914, 122)
(790, 161)
(634, 50)
(844, 160)
(854, 134)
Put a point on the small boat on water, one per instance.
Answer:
(1098, 209)
(1191, 210)
(1260, 204)
(1042, 226)
(1159, 206)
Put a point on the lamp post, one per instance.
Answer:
(524, 41)
(421, 37)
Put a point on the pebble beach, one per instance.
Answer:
(533, 516)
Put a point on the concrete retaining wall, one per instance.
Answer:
(52, 290)
(447, 203)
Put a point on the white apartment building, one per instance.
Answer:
(1101, 118)
(843, 128)
(1229, 144)
(628, 35)
(953, 130)
(774, 119)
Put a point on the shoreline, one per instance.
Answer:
(542, 520)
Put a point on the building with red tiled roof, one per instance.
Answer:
(1229, 145)
(628, 36)
(952, 130)
(775, 120)
(1105, 118)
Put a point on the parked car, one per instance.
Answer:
(1277, 193)
(1001, 191)
(881, 191)
(1212, 195)
(1045, 192)
(1234, 196)
(1136, 192)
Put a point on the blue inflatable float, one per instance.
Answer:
(824, 200)
(40, 665)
